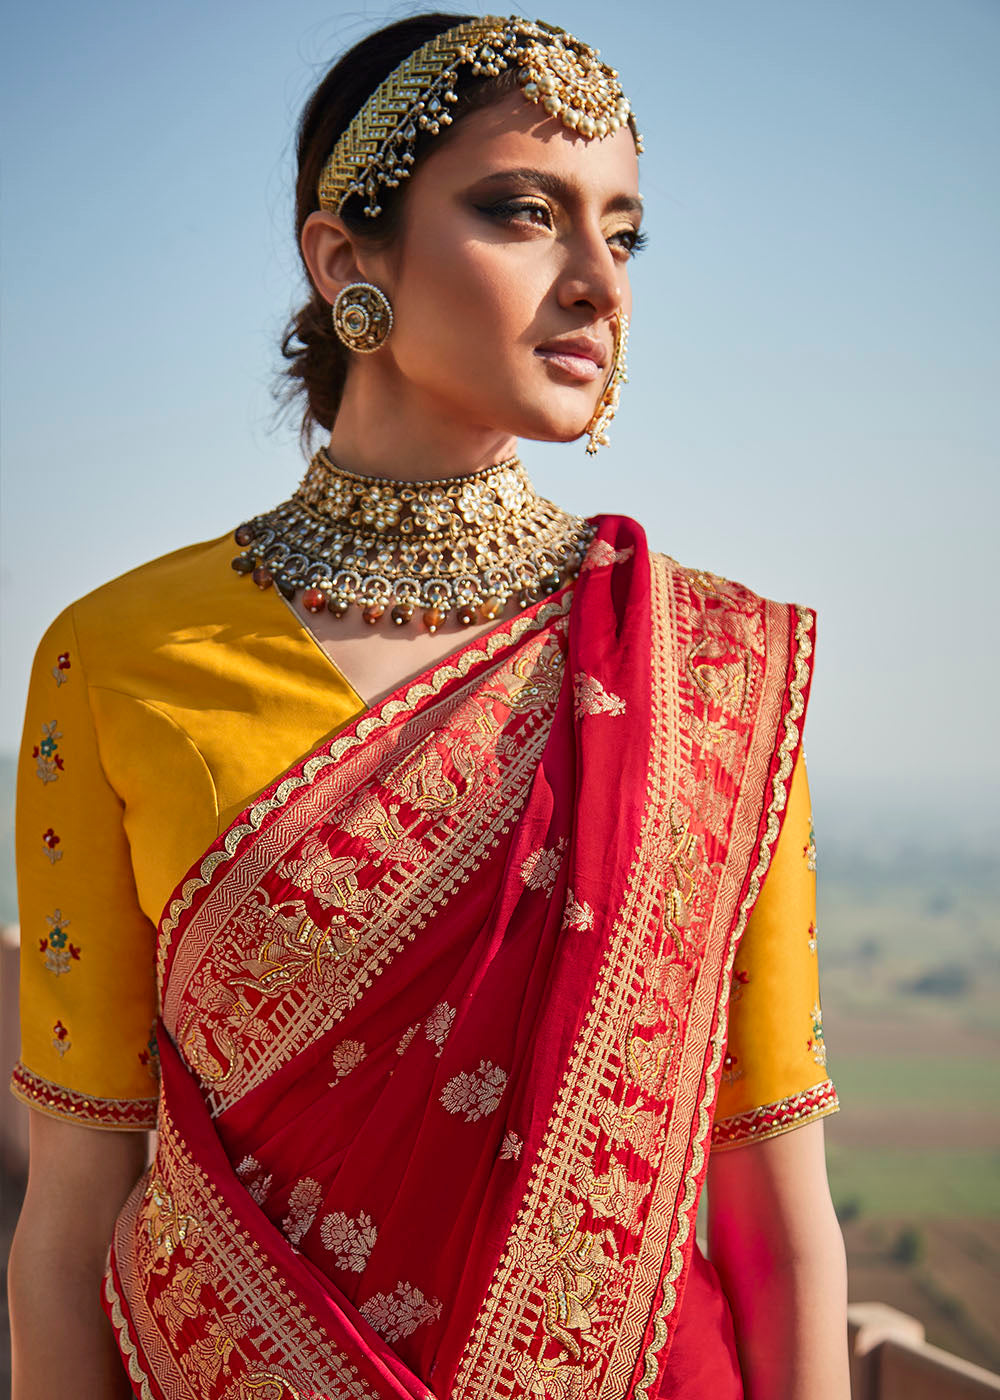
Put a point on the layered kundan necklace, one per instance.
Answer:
(463, 544)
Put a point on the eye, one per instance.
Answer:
(521, 211)
(630, 239)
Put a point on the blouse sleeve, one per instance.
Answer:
(774, 1075)
(88, 993)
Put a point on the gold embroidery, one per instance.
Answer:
(511, 1146)
(577, 914)
(168, 1226)
(347, 1056)
(541, 866)
(591, 698)
(303, 1202)
(438, 1024)
(601, 554)
(771, 1119)
(397, 1314)
(476, 1094)
(350, 1240)
(787, 746)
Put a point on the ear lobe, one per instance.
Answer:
(329, 253)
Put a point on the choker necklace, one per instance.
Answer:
(465, 544)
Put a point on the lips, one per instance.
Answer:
(583, 347)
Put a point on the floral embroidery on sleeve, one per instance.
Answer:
(809, 850)
(49, 843)
(60, 1038)
(150, 1057)
(49, 761)
(740, 979)
(60, 668)
(816, 1043)
(57, 950)
(812, 936)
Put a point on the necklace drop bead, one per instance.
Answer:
(262, 577)
(314, 599)
(490, 608)
(433, 619)
(372, 613)
(338, 606)
(402, 613)
(244, 535)
(466, 614)
(243, 564)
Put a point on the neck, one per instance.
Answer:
(391, 429)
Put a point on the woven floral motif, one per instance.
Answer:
(303, 1203)
(511, 1146)
(397, 1314)
(439, 1024)
(540, 868)
(477, 1094)
(591, 698)
(350, 1240)
(347, 1056)
(577, 914)
(601, 554)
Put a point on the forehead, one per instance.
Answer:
(513, 133)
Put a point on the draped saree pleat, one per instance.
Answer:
(444, 1011)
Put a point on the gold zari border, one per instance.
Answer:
(771, 1119)
(788, 747)
(122, 1115)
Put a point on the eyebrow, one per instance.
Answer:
(560, 189)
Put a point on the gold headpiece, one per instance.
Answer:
(566, 76)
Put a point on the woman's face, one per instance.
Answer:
(509, 269)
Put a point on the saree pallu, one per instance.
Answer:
(444, 1010)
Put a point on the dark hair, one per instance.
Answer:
(317, 362)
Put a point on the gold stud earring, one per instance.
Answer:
(608, 402)
(362, 317)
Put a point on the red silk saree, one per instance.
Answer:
(444, 1010)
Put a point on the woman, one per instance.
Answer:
(457, 968)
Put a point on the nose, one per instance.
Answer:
(592, 278)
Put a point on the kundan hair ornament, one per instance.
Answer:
(564, 75)
(362, 317)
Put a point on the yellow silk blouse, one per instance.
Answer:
(159, 706)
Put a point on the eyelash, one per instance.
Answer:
(507, 209)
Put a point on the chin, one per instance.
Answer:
(549, 427)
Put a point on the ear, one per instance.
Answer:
(330, 254)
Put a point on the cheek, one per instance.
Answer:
(472, 297)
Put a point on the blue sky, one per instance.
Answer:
(813, 403)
